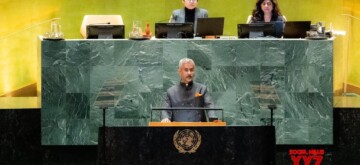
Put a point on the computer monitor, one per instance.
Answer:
(105, 31)
(296, 29)
(99, 20)
(174, 30)
(210, 26)
(256, 30)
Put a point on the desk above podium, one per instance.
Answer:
(187, 124)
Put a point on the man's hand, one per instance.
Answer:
(166, 120)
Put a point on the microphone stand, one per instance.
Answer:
(271, 107)
(105, 100)
(104, 136)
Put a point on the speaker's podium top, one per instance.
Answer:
(188, 124)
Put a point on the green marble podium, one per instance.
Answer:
(243, 76)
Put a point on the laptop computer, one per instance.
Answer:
(296, 29)
(210, 26)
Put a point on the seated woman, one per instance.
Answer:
(189, 13)
(266, 11)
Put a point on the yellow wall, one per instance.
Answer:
(354, 52)
(23, 20)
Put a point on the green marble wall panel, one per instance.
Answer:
(243, 76)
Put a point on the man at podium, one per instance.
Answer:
(187, 94)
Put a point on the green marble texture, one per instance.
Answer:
(243, 76)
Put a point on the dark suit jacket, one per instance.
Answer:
(193, 95)
(178, 16)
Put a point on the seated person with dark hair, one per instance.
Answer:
(189, 13)
(266, 11)
(187, 94)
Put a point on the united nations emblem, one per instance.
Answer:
(187, 140)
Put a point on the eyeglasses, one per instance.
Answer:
(191, 1)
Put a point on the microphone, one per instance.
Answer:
(168, 20)
(163, 20)
(200, 91)
(173, 18)
(100, 23)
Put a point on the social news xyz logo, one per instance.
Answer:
(306, 157)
